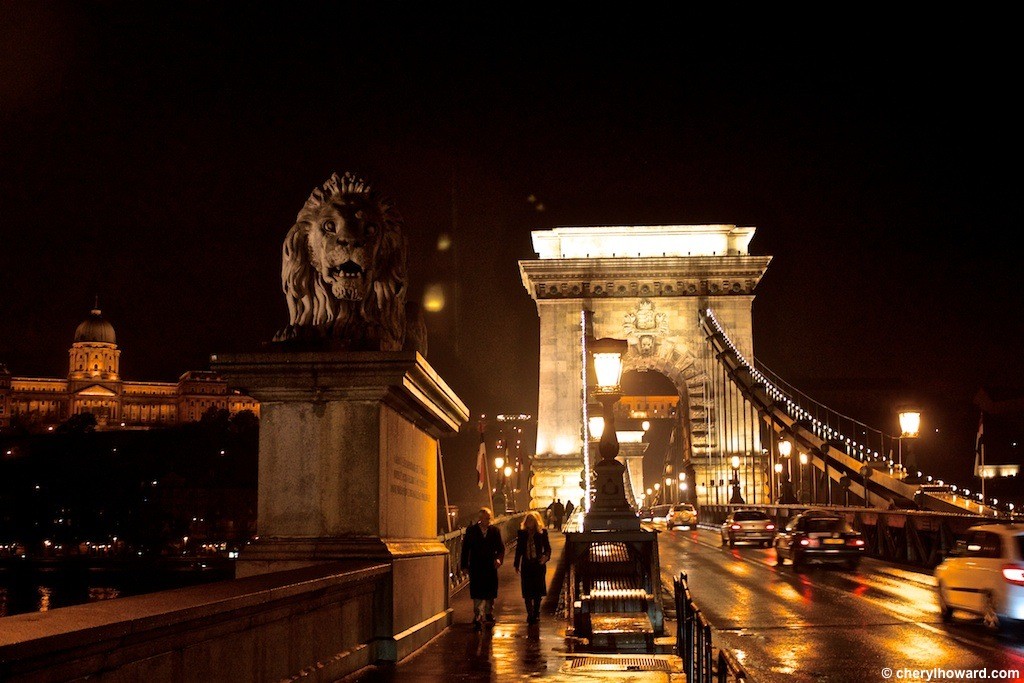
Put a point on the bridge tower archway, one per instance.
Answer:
(645, 284)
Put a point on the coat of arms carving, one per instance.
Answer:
(644, 328)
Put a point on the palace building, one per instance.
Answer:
(94, 385)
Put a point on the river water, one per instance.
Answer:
(40, 589)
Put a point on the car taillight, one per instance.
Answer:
(804, 541)
(1014, 573)
(769, 527)
(856, 541)
(735, 526)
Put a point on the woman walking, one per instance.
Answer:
(482, 554)
(533, 550)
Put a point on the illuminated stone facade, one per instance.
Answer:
(94, 385)
(647, 285)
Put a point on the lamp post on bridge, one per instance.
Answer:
(910, 427)
(610, 510)
(786, 496)
(737, 497)
(803, 464)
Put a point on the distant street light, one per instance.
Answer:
(910, 427)
(645, 425)
(737, 497)
(499, 462)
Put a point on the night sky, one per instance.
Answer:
(157, 157)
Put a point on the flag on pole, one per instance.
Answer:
(979, 447)
(481, 462)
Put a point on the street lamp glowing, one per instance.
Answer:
(683, 486)
(668, 481)
(735, 462)
(508, 471)
(499, 462)
(608, 363)
(803, 458)
(596, 424)
(785, 448)
(649, 492)
(645, 425)
(910, 423)
(778, 468)
(657, 487)
(682, 476)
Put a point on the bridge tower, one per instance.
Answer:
(644, 284)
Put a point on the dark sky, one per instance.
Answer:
(158, 156)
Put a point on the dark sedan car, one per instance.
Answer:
(817, 537)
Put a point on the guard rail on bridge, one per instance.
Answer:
(841, 458)
(694, 646)
(911, 537)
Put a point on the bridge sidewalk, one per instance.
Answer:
(510, 650)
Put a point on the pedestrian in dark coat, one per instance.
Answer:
(482, 553)
(558, 509)
(568, 512)
(533, 550)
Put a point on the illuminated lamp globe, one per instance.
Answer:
(608, 363)
(499, 462)
(785, 448)
(657, 487)
(778, 468)
(910, 423)
(596, 424)
(508, 471)
(803, 458)
(668, 481)
(735, 462)
(645, 425)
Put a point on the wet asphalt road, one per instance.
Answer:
(827, 624)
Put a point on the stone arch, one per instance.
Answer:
(678, 363)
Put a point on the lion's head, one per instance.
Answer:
(343, 268)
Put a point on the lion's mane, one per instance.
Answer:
(358, 303)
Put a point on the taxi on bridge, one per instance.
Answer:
(984, 575)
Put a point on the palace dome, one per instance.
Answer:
(95, 329)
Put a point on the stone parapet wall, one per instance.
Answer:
(317, 623)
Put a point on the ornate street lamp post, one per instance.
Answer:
(803, 466)
(610, 510)
(786, 495)
(910, 427)
(737, 497)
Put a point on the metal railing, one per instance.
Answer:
(908, 537)
(701, 663)
(508, 525)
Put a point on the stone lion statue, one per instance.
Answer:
(343, 271)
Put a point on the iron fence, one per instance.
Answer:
(910, 537)
(701, 662)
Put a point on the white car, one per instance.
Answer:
(985, 576)
(682, 514)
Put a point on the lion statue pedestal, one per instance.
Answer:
(350, 417)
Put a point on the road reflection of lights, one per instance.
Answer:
(739, 569)
(922, 650)
(789, 657)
